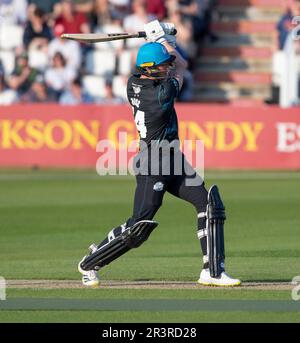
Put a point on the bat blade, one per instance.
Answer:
(98, 37)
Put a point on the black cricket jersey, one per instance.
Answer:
(153, 107)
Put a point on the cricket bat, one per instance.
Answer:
(103, 37)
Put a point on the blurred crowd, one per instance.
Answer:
(36, 65)
(286, 58)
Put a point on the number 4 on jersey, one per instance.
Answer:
(140, 123)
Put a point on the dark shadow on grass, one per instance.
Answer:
(267, 280)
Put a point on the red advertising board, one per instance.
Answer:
(67, 136)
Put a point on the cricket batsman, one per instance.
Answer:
(151, 93)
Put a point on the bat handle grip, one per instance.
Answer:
(142, 34)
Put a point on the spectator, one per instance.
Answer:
(198, 12)
(104, 14)
(110, 97)
(47, 6)
(68, 48)
(37, 33)
(284, 26)
(156, 8)
(184, 36)
(59, 77)
(7, 96)
(51, 8)
(23, 75)
(14, 11)
(63, 58)
(286, 60)
(290, 83)
(83, 6)
(71, 20)
(75, 95)
(38, 92)
(120, 8)
(1, 68)
(135, 21)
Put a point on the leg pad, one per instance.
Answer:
(215, 229)
(131, 237)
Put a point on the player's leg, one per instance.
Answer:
(136, 230)
(144, 207)
(210, 230)
(147, 200)
(215, 217)
(197, 196)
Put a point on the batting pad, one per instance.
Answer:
(131, 237)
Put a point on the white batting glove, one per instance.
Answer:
(169, 28)
(154, 32)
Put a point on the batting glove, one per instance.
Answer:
(169, 28)
(155, 32)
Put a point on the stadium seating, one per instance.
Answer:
(38, 59)
(11, 36)
(124, 62)
(113, 45)
(94, 85)
(8, 60)
(238, 67)
(119, 86)
(100, 62)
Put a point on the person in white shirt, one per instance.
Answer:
(134, 22)
(68, 48)
(14, 12)
(7, 95)
(59, 76)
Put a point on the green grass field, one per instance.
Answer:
(49, 218)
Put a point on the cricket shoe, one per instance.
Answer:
(89, 277)
(223, 280)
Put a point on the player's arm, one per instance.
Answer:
(180, 63)
(161, 33)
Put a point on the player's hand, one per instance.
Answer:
(160, 32)
(169, 28)
(155, 32)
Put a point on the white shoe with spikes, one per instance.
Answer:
(89, 277)
(223, 280)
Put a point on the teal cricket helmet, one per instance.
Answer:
(153, 54)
